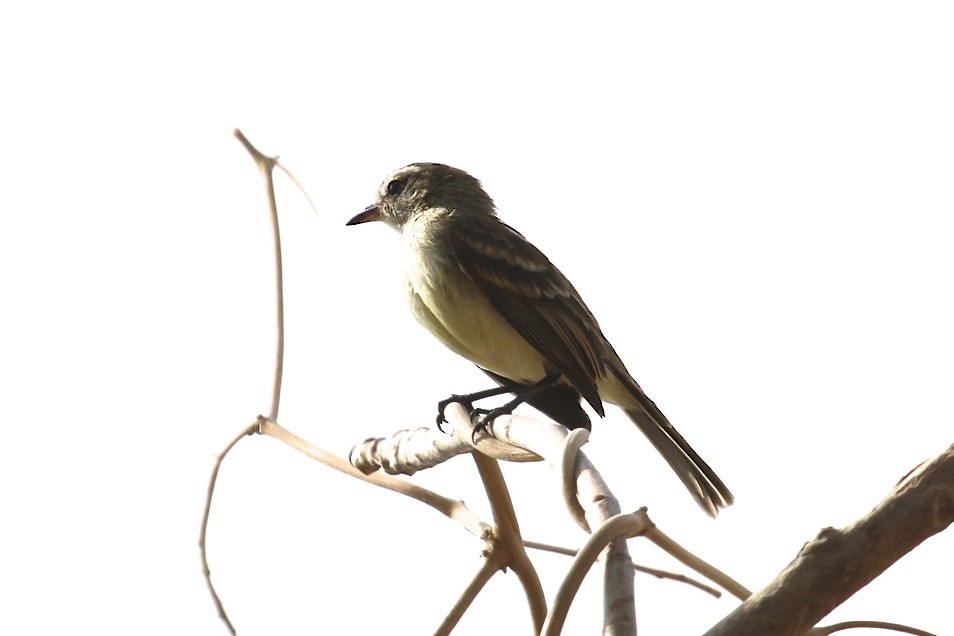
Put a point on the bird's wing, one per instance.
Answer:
(535, 298)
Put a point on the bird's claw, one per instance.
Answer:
(443, 404)
(481, 418)
(487, 416)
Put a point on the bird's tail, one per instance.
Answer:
(703, 484)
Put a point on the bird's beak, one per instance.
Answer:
(371, 213)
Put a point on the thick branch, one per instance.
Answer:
(838, 563)
(599, 505)
(407, 451)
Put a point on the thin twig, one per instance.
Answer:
(569, 455)
(618, 527)
(547, 441)
(301, 188)
(265, 165)
(508, 538)
(206, 572)
(687, 558)
(451, 508)
(894, 627)
(659, 574)
(488, 568)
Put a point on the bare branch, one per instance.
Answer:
(568, 456)
(407, 451)
(206, 572)
(266, 165)
(508, 549)
(546, 440)
(301, 188)
(894, 627)
(838, 563)
(687, 558)
(659, 574)
(451, 508)
(614, 531)
(488, 568)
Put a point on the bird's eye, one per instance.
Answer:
(396, 186)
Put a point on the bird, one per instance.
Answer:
(492, 297)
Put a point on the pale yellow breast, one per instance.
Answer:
(452, 308)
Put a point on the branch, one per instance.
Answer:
(451, 508)
(610, 536)
(407, 451)
(265, 165)
(893, 627)
(519, 438)
(508, 548)
(487, 570)
(659, 574)
(687, 558)
(588, 498)
(203, 530)
(838, 563)
(546, 440)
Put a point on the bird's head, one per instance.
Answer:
(414, 189)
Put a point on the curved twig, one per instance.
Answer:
(451, 508)
(894, 627)
(547, 440)
(568, 456)
(206, 572)
(621, 526)
(659, 574)
(301, 188)
(265, 165)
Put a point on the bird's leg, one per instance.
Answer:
(468, 399)
(527, 393)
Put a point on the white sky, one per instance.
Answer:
(754, 199)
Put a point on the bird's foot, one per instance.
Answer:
(523, 393)
(464, 400)
(483, 418)
(467, 400)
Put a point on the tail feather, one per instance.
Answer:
(703, 484)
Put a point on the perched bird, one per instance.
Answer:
(492, 297)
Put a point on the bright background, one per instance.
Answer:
(754, 198)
